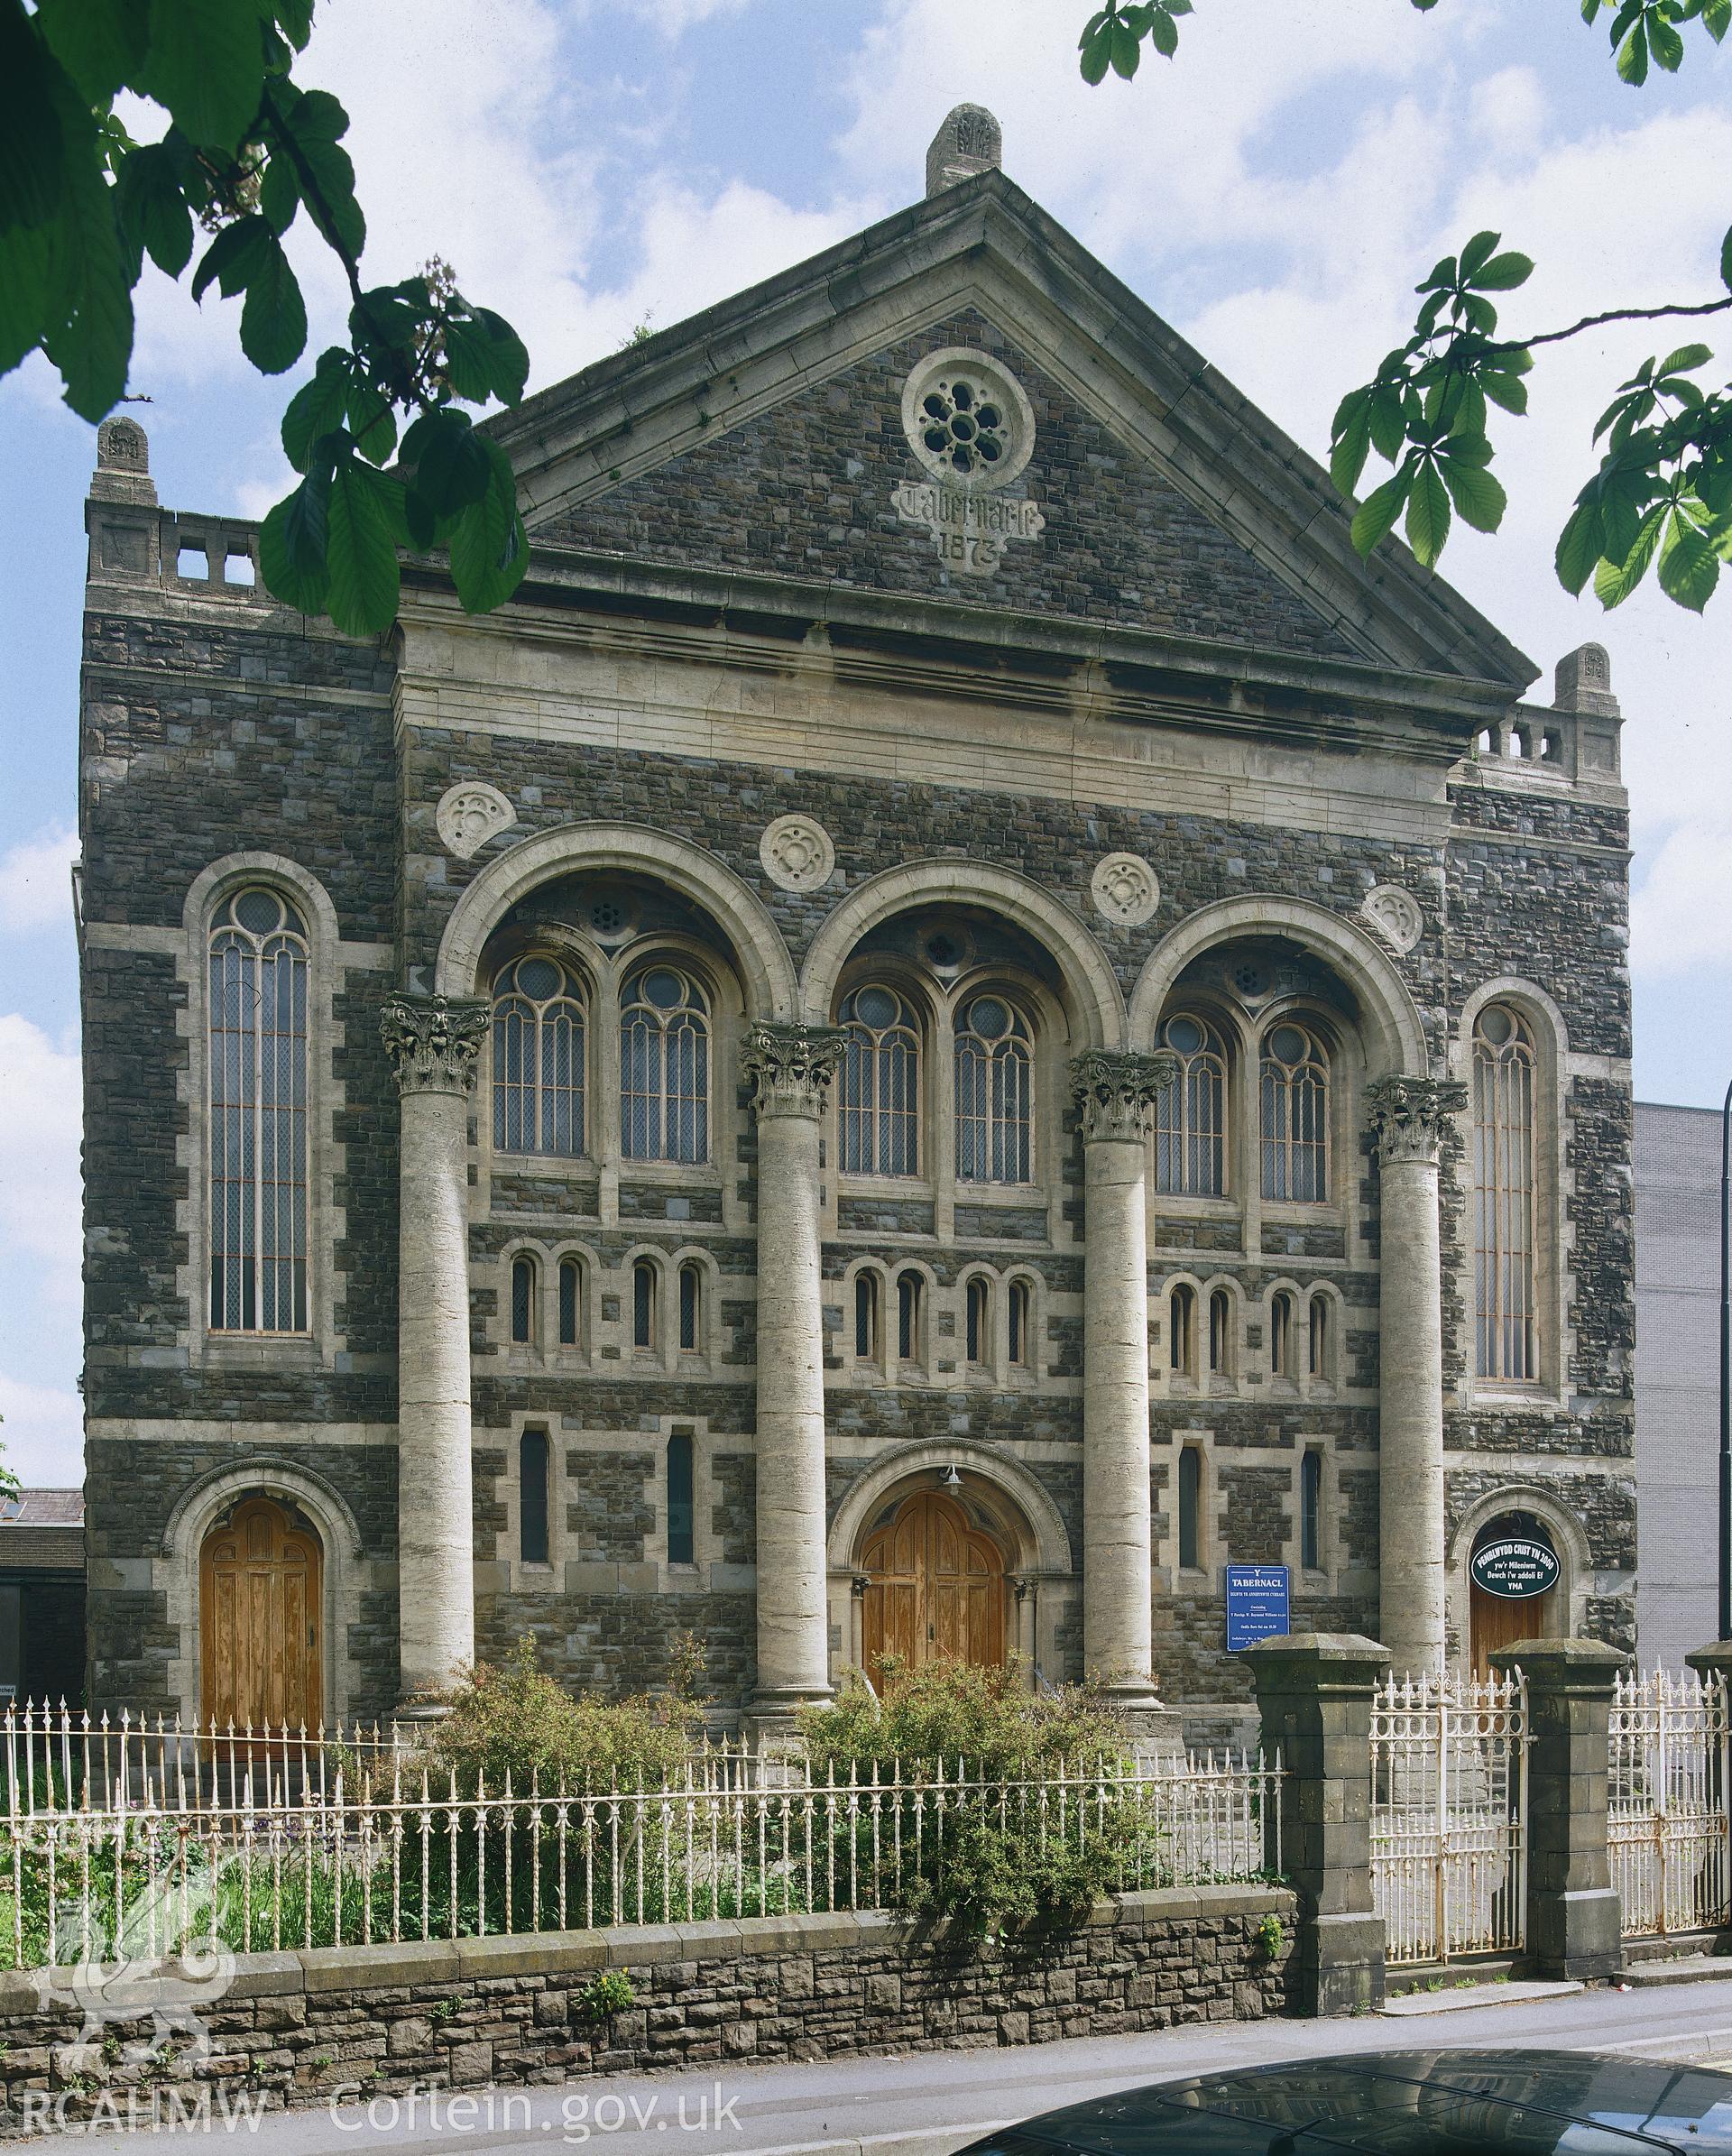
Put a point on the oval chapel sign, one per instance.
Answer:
(1515, 1566)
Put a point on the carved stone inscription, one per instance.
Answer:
(971, 530)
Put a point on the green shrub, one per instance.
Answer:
(986, 1839)
(605, 1994)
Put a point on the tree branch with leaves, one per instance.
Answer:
(1662, 497)
(245, 151)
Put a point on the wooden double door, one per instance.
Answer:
(261, 1582)
(935, 1588)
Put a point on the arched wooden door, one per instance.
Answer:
(1496, 1621)
(935, 1588)
(260, 1598)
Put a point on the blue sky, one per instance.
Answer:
(589, 164)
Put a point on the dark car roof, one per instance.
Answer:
(1401, 2104)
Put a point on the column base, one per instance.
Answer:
(1157, 1732)
(771, 1727)
(421, 1711)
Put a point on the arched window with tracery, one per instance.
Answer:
(877, 1105)
(1294, 1115)
(1503, 1196)
(1190, 1114)
(260, 980)
(665, 1067)
(539, 1059)
(995, 1092)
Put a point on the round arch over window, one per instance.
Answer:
(1190, 1114)
(539, 1058)
(995, 1104)
(878, 1101)
(665, 1067)
(259, 984)
(1295, 1102)
(1504, 1197)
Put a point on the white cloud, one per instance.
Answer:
(1681, 918)
(35, 882)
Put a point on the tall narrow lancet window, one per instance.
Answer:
(571, 1303)
(1504, 1195)
(1189, 1509)
(643, 1304)
(522, 1301)
(532, 1497)
(1190, 1114)
(691, 1309)
(665, 1068)
(680, 1549)
(539, 1059)
(907, 1317)
(1311, 1511)
(1220, 1334)
(977, 1320)
(994, 1093)
(1182, 1331)
(866, 1317)
(877, 1104)
(258, 1053)
(1016, 1324)
(1295, 1116)
(1281, 1321)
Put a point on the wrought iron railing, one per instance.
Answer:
(1666, 1826)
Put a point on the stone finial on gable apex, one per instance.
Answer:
(970, 141)
(1583, 682)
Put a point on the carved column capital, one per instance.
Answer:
(790, 1066)
(1115, 1092)
(1409, 1116)
(434, 1041)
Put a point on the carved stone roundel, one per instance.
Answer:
(1126, 889)
(471, 813)
(1395, 914)
(968, 419)
(796, 854)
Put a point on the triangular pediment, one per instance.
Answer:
(766, 437)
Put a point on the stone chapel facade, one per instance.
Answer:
(954, 1020)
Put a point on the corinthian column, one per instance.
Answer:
(1115, 1097)
(433, 1042)
(1409, 1116)
(789, 1068)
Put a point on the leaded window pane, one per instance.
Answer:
(994, 1061)
(539, 1059)
(1190, 1114)
(259, 1183)
(878, 1104)
(1294, 1115)
(1504, 1197)
(665, 1068)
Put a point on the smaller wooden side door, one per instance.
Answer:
(260, 1597)
(1500, 1620)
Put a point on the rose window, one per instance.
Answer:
(962, 425)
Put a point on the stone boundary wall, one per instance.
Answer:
(349, 2023)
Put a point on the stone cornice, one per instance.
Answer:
(1115, 1092)
(790, 1066)
(434, 1042)
(1409, 1116)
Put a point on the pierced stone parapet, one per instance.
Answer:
(434, 1042)
(1409, 1116)
(1115, 1092)
(790, 1066)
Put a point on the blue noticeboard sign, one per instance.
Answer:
(1257, 1604)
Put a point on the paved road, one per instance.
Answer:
(934, 2102)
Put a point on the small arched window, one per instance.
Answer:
(1190, 1114)
(908, 1300)
(1294, 1115)
(877, 1104)
(1182, 1329)
(532, 1464)
(978, 1320)
(691, 1309)
(260, 980)
(1281, 1315)
(680, 1524)
(1311, 1511)
(643, 1305)
(1320, 1342)
(571, 1302)
(539, 1059)
(1220, 1334)
(522, 1301)
(1504, 1197)
(866, 1317)
(1017, 1316)
(665, 1068)
(1189, 1509)
(995, 1104)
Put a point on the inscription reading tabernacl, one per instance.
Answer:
(971, 530)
